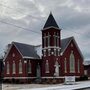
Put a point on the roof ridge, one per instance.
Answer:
(23, 43)
(68, 38)
(38, 45)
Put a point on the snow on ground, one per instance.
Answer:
(78, 85)
(22, 86)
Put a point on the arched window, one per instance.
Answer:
(44, 53)
(72, 63)
(56, 69)
(58, 52)
(20, 66)
(55, 52)
(54, 38)
(65, 65)
(44, 38)
(29, 67)
(58, 39)
(38, 71)
(8, 68)
(47, 67)
(49, 52)
(48, 39)
(14, 68)
(78, 66)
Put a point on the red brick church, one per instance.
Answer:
(54, 59)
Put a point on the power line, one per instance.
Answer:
(29, 16)
(19, 11)
(19, 27)
(26, 28)
(72, 31)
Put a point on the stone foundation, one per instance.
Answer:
(35, 80)
(52, 80)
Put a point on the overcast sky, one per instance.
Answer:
(18, 18)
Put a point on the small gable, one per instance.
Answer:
(11, 52)
(66, 42)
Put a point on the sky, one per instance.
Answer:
(23, 20)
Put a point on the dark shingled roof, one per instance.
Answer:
(26, 50)
(50, 22)
(30, 51)
(65, 42)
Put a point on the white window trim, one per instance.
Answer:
(58, 52)
(49, 52)
(47, 67)
(72, 63)
(78, 65)
(44, 42)
(20, 67)
(48, 39)
(44, 38)
(44, 53)
(85, 72)
(55, 52)
(29, 67)
(65, 65)
(14, 67)
(8, 68)
(54, 39)
(57, 41)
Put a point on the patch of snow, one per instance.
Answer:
(78, 85)
(39, 50)
(86, 62)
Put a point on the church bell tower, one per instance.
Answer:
(51, 47)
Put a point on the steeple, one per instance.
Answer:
(50, 22)
(51, 46)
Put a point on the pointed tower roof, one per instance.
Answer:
(50, 22)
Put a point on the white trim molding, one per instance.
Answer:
(47, 67)
(50, 47)
(50, 27)
(53, 77)
(19, 77)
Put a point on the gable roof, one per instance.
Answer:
(27, 51)
(65, 42)
(35, 52)
(50, 22)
